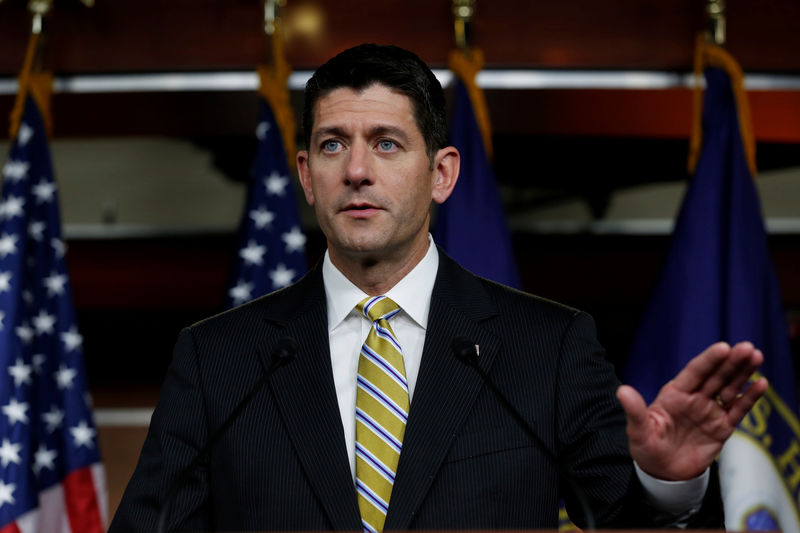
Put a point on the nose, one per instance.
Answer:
(358, 171)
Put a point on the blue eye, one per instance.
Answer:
(330, 146)
(386, 145)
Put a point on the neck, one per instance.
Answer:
(377, 276)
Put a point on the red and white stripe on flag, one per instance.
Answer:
(78, 505)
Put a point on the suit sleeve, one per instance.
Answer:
(177, 431)
(591, 431)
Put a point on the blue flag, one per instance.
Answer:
(271, 244)
(51, 478)
(471, 225)
(718, 283)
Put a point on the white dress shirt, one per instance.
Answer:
(348, 329)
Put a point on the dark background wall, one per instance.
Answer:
(153, 286)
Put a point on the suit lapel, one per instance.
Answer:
(306, 397)
(446, 388)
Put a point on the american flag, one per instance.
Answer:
(271, 251)
(51, 478)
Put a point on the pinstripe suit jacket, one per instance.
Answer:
(466, 463)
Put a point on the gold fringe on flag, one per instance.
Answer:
(712, 55)
(274, 88)
(466, 66)
(38, 84)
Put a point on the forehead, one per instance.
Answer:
(376, 104)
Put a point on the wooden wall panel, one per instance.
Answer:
(128, 35)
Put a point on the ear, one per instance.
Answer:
(446, 165)
(304, 173)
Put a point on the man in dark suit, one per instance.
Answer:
(300, 454)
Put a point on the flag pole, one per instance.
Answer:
(33, 77)
(709, 52)
(274, 75)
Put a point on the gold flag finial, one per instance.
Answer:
(272, 15)
(463, 11)
(40, 8)
(715, 9)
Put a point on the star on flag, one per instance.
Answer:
(12, 207)
(7, 493)
(261, 217)
(295, 240)
(8, 245)
(44, 458)
(44, 323)
(261, 130)
(65, 376)
(20, 372)
(253, 254)
(15, 170)
(9, 453)
(16, 412)
(55, 284)
(25, 133)
(36, 230)
(58, 247)
(44, 191)
(72, 339)
(5, 281)
(53, 419)
(83, 434)
(276, 184)
(241, 292)
(281, 276)
(25, 333)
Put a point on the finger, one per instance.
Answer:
(736, 364)
(702, 367)
(635, 410)
(742, 404)
(743, 374)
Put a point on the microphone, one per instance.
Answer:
(466, 351)
(283, 353)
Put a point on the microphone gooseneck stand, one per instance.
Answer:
(466, 352)
(283, 353)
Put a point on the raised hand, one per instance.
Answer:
(680, 434)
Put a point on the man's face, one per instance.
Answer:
(368, 175)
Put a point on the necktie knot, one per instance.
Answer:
(377, 308)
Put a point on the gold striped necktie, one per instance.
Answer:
(381, 412)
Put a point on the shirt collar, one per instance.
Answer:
(412, 293)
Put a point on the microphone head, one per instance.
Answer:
(284, 350)
(464, 350)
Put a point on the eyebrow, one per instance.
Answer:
(375, 131)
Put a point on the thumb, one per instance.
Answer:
(635, 410)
